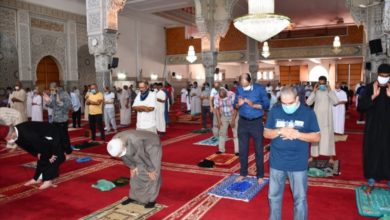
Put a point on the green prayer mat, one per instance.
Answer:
(86, 144)
(202, 131)
(121, 181)
(376, 204)
(117, 211)
(322, 168)
(104, 185)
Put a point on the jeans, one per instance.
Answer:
(246, 130)
(223, 131)
(109, 117)
(76, 117)
(93, 120)
(298, 186)
(205, 111)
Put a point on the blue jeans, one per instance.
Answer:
(298, 185)
(245, 130)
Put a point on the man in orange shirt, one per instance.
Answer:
(95, 104)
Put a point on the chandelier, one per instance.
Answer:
(336, 45)
(191, 56)
(261, 23)
(265, 53)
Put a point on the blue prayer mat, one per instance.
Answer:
(244, 190)
(376, 204)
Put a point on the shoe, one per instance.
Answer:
(127, 201)
(218, 152)
(237, 154)
(149, 205)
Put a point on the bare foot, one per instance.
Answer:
(260, 181)
(238, 179)
(32, 182)
(47, 184)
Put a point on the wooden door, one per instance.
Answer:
(47, 72)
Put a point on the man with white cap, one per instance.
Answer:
(141, 151)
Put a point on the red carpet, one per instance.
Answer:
(185, 185)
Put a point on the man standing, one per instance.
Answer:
(161, 99)
(109, 110)
(95, 109)
(141, 152)
(60, 102)
(18, 100)
(324, 99)
(251, 101)
(291, 127)
(76, 107)
(125, 108)
(36, 109)
(204, 97)
(195, 99)
(145, 105)
(184, 100)
(226, 115)
(42, 140)
(339, 109)
(213, 93)
(376, 147)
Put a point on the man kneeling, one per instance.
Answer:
(42, 140)
(141, 152)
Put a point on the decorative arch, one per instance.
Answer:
(47, 71)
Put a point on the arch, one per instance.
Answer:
(318, 71)
(47, 71)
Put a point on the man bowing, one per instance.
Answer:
(42, 140)
(141, 151)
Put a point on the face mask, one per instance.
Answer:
(322, 87)
(16, 87)
(93, 91)
(247, 88)
(383, 80)
(290, 109)
(11, 142)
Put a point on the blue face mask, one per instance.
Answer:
(93, 91)
(322, 87)
(290, 109)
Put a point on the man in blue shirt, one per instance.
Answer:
(291, 126)
(251, 100)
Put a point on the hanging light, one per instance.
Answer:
(261, 23)
(336, 45)
(191, 56)
(265, 53)
(153, 77)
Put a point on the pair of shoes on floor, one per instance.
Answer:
(148, 205)
(219, 152)
(237, 154)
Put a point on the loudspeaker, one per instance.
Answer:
(114, 63)
(375, 46)
(368, 66)
(173, 74)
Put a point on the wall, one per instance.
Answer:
(140, 46)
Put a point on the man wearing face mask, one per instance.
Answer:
(324, 99)
(145, 106)
(42, 140)
(141, 152)
(95, 109)
(291, 127)
(251, 101)
(375, 101)
(18, 100)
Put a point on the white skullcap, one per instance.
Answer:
(114, 147)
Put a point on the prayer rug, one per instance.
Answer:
(340, 138)
(322, 168)
(33, 164)
(74, 129)
(211, 141)
(117, 211)
(376, 204)
(244, 190)
(222, 159)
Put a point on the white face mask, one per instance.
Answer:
(383, 80)
(11, 142)
(247, 88)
